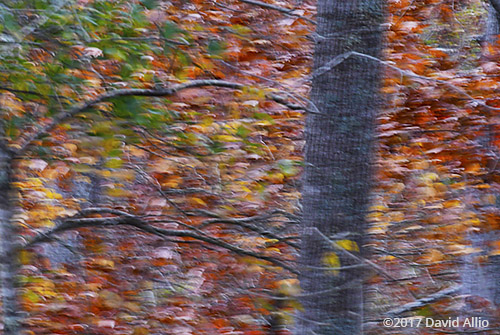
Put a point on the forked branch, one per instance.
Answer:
(126, 219)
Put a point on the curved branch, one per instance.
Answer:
(161, 92)
(126, 219)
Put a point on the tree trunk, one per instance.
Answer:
(8, 261)
(493, 21)
(339, 150)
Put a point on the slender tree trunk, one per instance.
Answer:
(339, 145)
(8, 260)
(480, 279)
(493, 21)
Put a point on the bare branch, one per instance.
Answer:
(424, 301)
(12, 90)
(286, 11)
(252, 227)
(342, 57)
(162, 92)
(73, 223)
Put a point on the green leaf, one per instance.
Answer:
(114, 163)
(127, 107)
(31, 296)
(170, 30)
(216, 147)
(150, 4)
(263, 116)
(216, 48)
(116, 54)
(288, 167)
(115, 153)
(243, 131)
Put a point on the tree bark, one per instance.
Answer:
(338, 155)
(9, 259)
(493, 21)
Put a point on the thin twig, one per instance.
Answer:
(286, 11)
(424, 301)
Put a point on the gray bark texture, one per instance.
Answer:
(8, 257)
(337, 177)
(493, 21)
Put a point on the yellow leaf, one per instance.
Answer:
(451, 203)
(117, 192)
(271, 240)
(198, 201)
(31, 296)
(52, 195)
(348, 245)
(430, 177)
(275, 178)
(24, 257)
(226, 138)
(331, 260)
(378, 208)
(473, 222)
(206, 122)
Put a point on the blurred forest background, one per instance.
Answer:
(151, 156)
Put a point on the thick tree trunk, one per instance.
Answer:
(8, 261)
(339, 145)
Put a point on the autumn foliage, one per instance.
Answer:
(435, 215)
(208, 174)
(178, 214)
